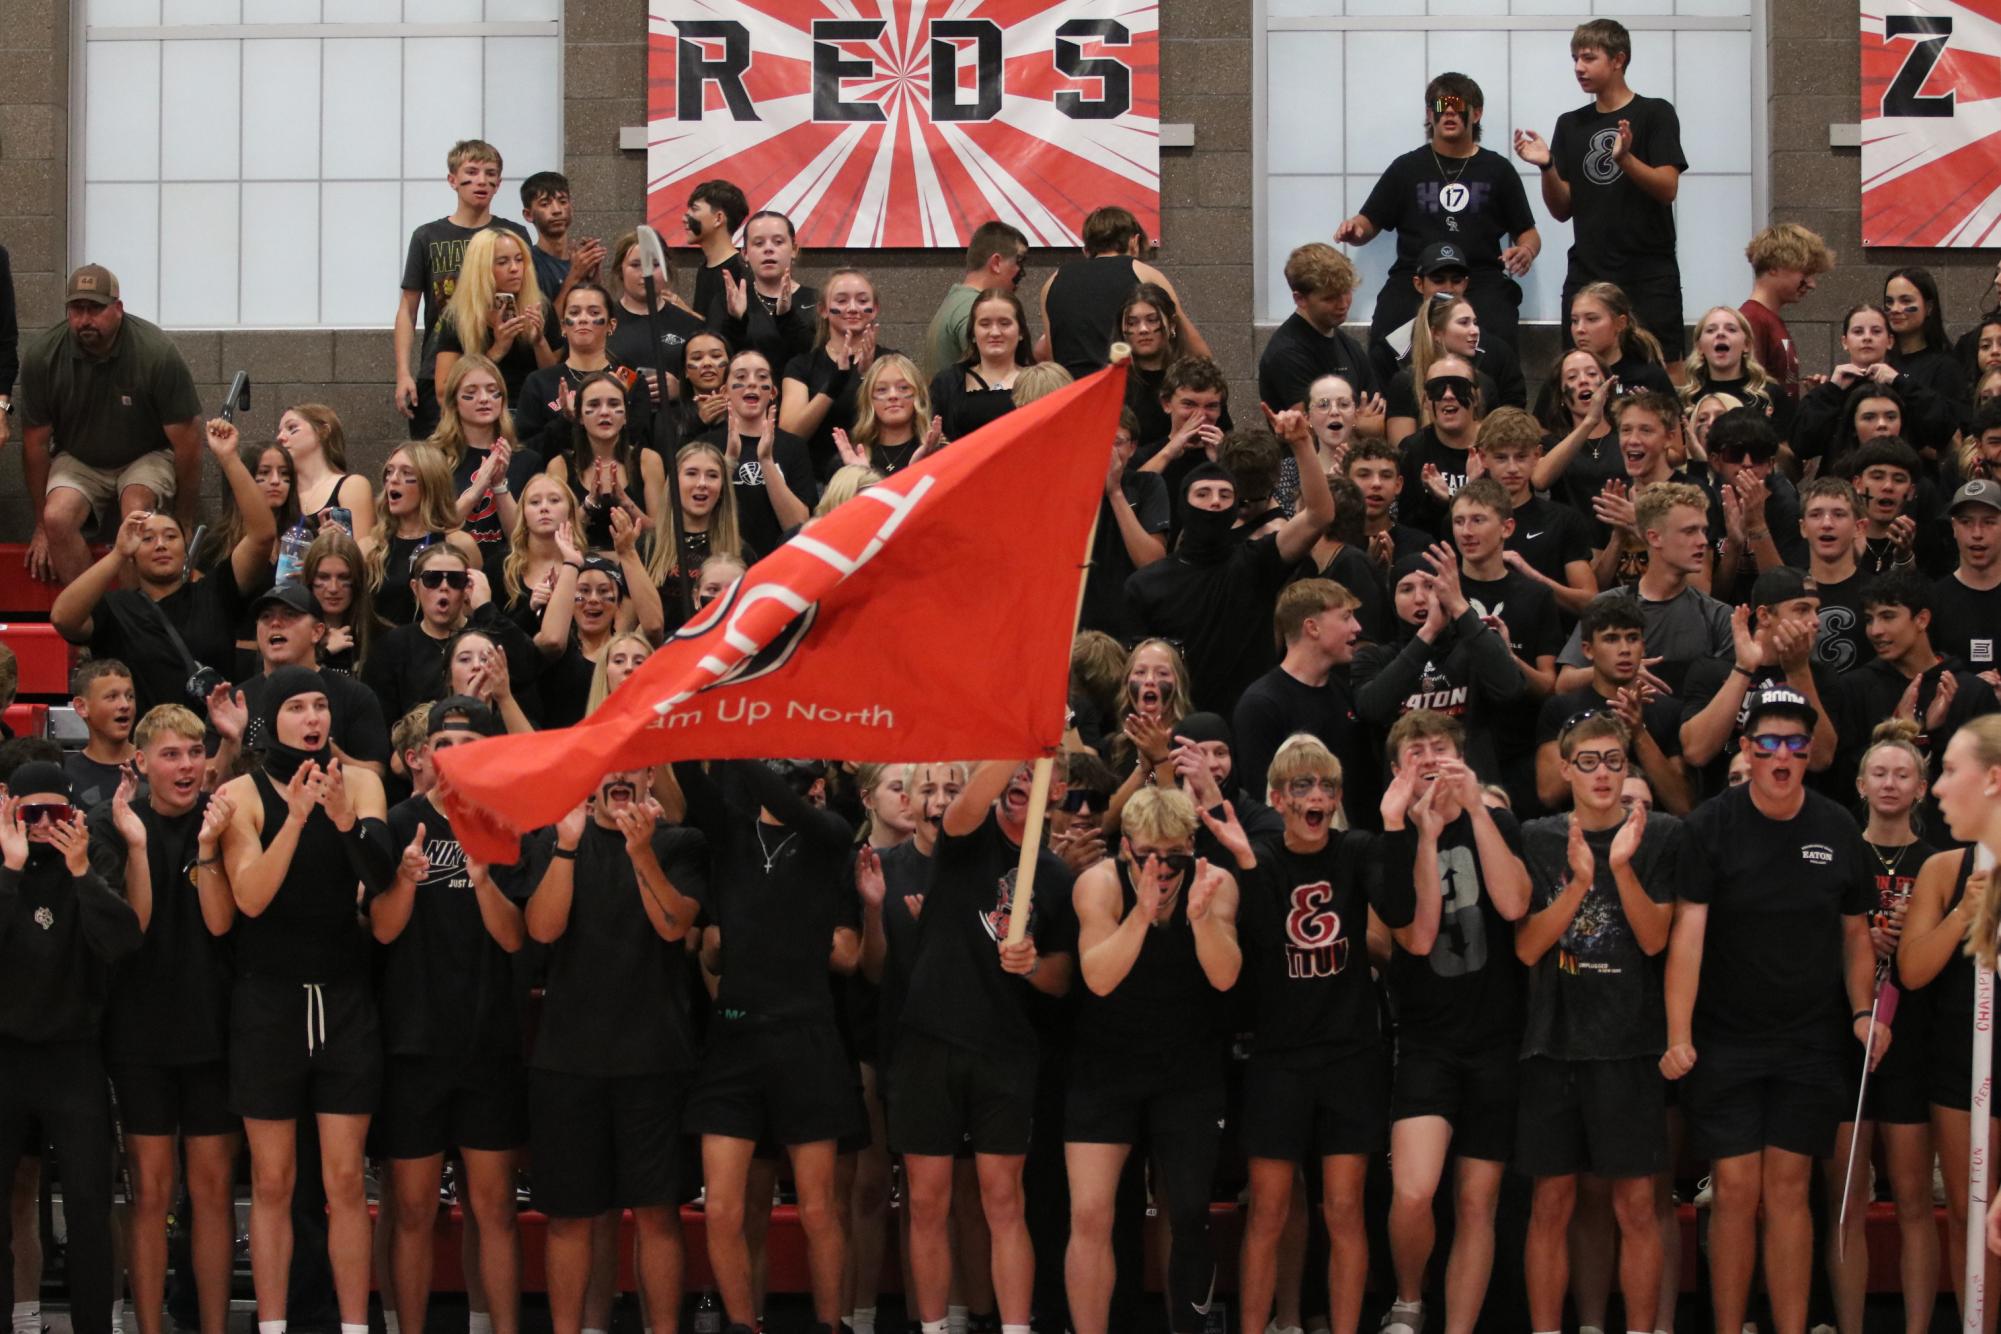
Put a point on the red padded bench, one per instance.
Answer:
(21, 594)
(28, 719)
(45, 658)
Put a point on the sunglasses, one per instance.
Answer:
(1587, 762)
(1447, 105)
(1306, 787)
(1438, 386)
(1770, 743)
(1082, 799)
(455, 579)
(1174, 863)
(47, 812)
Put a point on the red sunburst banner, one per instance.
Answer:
(907, 123)
(1931, 123)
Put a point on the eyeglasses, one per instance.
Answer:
(1329, 405)
(454, 579)
(1587, 761)
(1438, 386)
(1446, 104)
(1771, 743)
(1306, 787)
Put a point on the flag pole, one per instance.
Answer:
(1045, 766)
(1973, 1311)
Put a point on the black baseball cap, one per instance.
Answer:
(1439, 256)
(295, 596)
(1781, 701)
(1780, 584)
(463, 713)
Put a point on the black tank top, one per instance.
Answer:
(395, 604)
(333, 502)
(311, 930)
(1951, 992)
(1165, 1004)
(1084, 303)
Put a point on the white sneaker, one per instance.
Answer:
(1705, 1195)
(1404, 1318)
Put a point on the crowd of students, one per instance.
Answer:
(1587, 788)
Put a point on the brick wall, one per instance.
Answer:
(1205, 197)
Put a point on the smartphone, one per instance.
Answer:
(238, 398)
(340, 516)
(505, 300)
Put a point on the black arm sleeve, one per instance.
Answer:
(370, 853)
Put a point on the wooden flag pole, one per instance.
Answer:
(1045, 766)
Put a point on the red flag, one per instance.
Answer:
(928, 618)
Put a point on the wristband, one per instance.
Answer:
(499, 488)
(576, 565)
(1861, 1014)
(567, 854)
(1745, 670)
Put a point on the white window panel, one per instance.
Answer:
(200, 115)
(362, 116)
(1543, 88)
(281, 84)
(1460, 7)
(361, 252)
(281, 222)
(523, 11)
(1542, 285)
(443, 91)
(1713, 217)
(1712, 8)
(176, 12)
(1384, 74)
(441, 11)
(122, 232)
(1304, 122)
(283, 11)
(363, 11)
(199, 224)
(121, 140)
(1296, 207)
(1619, 9)
(420, 202)
(1304, 9)
(1715, 131)
(122, 13)
(522, 83)
(1379, 8)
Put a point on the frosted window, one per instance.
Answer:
(198, 248)
(200, 113)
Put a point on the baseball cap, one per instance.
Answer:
(93, 283)
(1441, 255)
(1780, 584)
(1781, 701)
(1979, 491)
(465, 713)
(296, 596)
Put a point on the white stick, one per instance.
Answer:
(1855, 1127)
(1973, 1314)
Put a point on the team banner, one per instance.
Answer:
(928, 618)
(1931, 123)
(907, 123)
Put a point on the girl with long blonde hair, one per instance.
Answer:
(415, 503)
(1447, 326)
(497, 311)
(708, 519)
(1603, 321)
(894, 427)
(547, 536)
(1724, 360)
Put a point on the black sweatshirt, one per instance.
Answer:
(59, 936)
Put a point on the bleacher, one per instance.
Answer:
(45, 659)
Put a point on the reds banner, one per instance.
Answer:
(907, 123)
(1931, 123)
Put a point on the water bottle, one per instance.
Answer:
(292, 554)
(708, 1314)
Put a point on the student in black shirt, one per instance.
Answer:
(979, 388)
(781, 909)
(1613, 169)
(1080, 302)
(1612, 634)
(1374, 466)
(968, 1052)
(1453, 880)
(1771, 639)
(166, 1033)
(770, 467)
(101, 695)
(1922, 353)
(1604, 322)
(615, 892)
(452, 1076)
(131, 624)
(489, 464)
(546, 410)
(632, 342)
(820, 386)
(289, 633)
(1760, 506)
(1311, 342)
(1195, 399)
(1149, 324)
(1517, 607)
(1435, 459)
(767, 309)
(1215, 593)
(1967, 622)
(1455, 191)
(716, 212)
(1762, 1027)
(1157, 950)
(1308, 691)
(62, 930)
(497, 311)
(1317, 1086)
(1131, 534)
(1550, 542)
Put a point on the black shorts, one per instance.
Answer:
(1899, 1092)
(1298, 1112)
(1656, 302)
(944, 1096)
(599, 1142)
(784, 1083)
(1743, 1099)
(174, 1099)
(1141, 1099)
(295, 1050)
(1476, 1093)
(1608, 1118)
(424, 1113)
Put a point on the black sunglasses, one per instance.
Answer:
(455, 579)
(1082, 798)
(1175, 863)
(1458, 386)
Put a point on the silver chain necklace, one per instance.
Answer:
(770, 854)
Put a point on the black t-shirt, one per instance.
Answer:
(756, 520)
(515, 365)
(906, 876)
(1303, 924)
(1595, 995)
(1279, 704)
(616, 997)
(1550, 537)
(1417, 506)
(1621, 230)
(1105, 586)
(709, 291)
(483, 524)
(170, 1000)
(1467, 673)
(1529, 611)
(958, 992)
(1298, 354)
(818, 373)
(1965, 622)
(539, 421)
(444, 984)
(127, 626)
(632, 342)
(1220, 613)
(1842, 644)
(1472, 203)
(1466, 995)
(1351, 568)
(1707, 676)
(89, 781)
(1773, 966)
(431, 267)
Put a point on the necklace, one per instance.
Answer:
(1439, 162)
(770, 854)
(891, 462)
(1890, 864)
